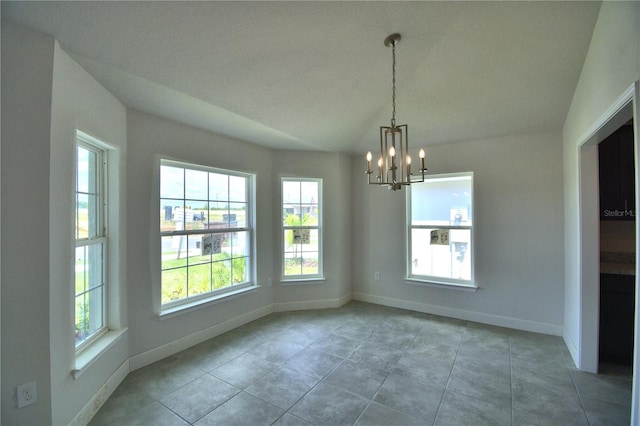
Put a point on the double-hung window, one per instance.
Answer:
(440, 230)
(206, 232)
(90, 242)
(302, 228)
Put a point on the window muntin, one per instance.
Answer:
(206, 233)
(302, 228)
(90, 243)
(440, 230)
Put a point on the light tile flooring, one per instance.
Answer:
(367, 364)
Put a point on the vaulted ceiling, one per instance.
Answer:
(316, 75)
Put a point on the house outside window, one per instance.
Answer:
(302, 229)
(206, 229)
(440, 230)
(90, 242)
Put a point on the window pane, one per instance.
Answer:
(81, 319)
(94, 272)
(168, 217)
(309, 193)
(195, 214)
(237, 188)
(89, 318)
(87, 170)
(310, 241)
(95, 305)
(80, 268)
(218, 215)
(310, 263)
(292, 264)
(224, 252)
(290, 192)
(199, 279)
(218, 187)
(199, 249)
(82, 170)
(240, 244)
(174, 285)
(196, 184)
(291, 215)
(440, 257)
(442, 201)
(92, 173)
(237, 217)
(171, 182)
(174, 251)
(221, 274)
(92, 216)
(240, 270)
(301, 252)
(82, 216)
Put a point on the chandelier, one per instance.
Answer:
(394, 163)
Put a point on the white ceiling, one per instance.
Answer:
(316, 75)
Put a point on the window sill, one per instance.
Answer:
(91, 354)
(450, 286)
(201, 303)
(302, 281)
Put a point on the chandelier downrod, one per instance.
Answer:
(391, 41)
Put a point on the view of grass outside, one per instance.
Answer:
(301, 226)
(204, 231)
(301, 257)
(181, 282)
(90, 241)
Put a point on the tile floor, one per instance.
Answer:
(366, 364)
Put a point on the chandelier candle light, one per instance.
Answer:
(394, 163)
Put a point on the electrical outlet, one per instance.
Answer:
(376, 276)
(269, 282)
(27, 394)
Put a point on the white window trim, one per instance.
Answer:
(318, 278)
(89, 351)
(173, 308)
(435, 281)
(87, 142)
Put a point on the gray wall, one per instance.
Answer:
(46, 97)
(150, 139)
(79, 102)
(518, 235)
(27, 72)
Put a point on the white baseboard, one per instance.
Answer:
(572, 347)
(501, 321)
(312, 304)
(92, 406)
(171, 348)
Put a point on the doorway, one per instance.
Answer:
(585, 350)
(617, 251)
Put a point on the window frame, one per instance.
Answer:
(250, 229)
(86, 142)
(434, 279)
(319, 227)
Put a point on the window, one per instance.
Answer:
(90, 242)
(206, 232)
(440, 230)
(302, 228)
